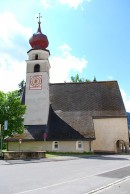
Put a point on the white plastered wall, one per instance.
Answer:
(64, 146)
(42, 54)
(37, 102)
(107, 132)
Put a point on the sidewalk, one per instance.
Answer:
(57, 158)
(63, 158)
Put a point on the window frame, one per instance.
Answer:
(78, 144)
(54, 144)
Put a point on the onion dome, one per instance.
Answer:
(39, 40)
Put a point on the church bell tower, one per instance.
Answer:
(37, 80)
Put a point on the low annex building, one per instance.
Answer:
(69, 117)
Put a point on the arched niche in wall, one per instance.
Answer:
(37, 68)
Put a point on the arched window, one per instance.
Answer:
(55, 145)
(37, 68)
(36, 57)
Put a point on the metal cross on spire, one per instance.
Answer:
(39, 18)
(39, 22)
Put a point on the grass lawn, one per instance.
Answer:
(56, 154)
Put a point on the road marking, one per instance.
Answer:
(98, 190)
(73, 180)
(53, 185)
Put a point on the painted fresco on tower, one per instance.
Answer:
(35, 82)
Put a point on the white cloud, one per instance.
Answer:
(62, 65)
(71, 3)
(12, 72)
(47, 3)
(65, 48)
(12, 65)
(126, 100)
(10, 28)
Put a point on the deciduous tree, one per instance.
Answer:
(11, 110)
(78, 79)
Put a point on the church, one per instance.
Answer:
(68, 117)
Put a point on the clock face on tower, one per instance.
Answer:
(35, 82)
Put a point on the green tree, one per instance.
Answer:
(94, 80)
(78, 79)
(12, 111)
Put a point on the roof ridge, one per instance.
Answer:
(91, 82)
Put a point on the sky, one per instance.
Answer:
(86, 37)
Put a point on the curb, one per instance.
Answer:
(53, 159)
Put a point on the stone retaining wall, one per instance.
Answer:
(15, 155)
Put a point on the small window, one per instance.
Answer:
(55, 145)
(79, 145)
(37, 68)
(36, 57)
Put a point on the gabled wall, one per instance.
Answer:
(108, 131)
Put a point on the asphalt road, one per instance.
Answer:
(106, 174)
